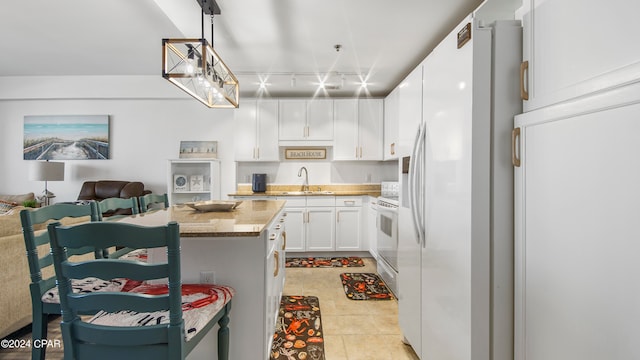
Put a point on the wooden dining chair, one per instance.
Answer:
(149, 322)
(152, 199)
(44, 294)
(107, 207)
(105, 212)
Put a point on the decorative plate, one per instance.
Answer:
(214, 205)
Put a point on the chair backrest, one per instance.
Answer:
(33, 239)
(110, 205)
(83, 339)
(151, 199)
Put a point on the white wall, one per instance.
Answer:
(148, 118)
(144, 133)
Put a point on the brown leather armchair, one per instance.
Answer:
(103, 189)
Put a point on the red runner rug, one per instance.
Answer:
(365, 286)
(315, 262)
(299, 331)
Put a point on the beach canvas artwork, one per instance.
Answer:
(66, 137)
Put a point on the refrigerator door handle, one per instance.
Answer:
(413, 193)
(419, 184)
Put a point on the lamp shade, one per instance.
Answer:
(46, 171)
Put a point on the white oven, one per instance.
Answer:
(387, 241)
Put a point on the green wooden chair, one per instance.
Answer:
(130, 327)
(109, 206)
(151, 199)
(105, 211)
(43, 287)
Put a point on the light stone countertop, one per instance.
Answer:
(284, 190)
(249, 218)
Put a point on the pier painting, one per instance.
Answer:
(66, 137)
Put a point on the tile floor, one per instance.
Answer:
(352, 329)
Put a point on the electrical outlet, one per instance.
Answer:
(207, 277)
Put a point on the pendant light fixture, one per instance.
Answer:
(193, 66)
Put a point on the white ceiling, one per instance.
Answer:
(269, 39)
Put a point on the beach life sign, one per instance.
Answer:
(305, 154)
(66, 137)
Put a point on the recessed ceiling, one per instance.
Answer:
(269, 40)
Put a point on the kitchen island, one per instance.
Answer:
(244, 249)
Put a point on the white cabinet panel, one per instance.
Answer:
(256, 131)
(345, 138)
(575, 47)
(358, 129)
(348, 228)
(245, 136)
(293, 119)
(391, 124)
(410, 113)
(301, 119)
(320, 119)
(267, 125)
(370, 119)
(295, 225)
(320, 229)
(577, 197)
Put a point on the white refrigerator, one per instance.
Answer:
(456, 260)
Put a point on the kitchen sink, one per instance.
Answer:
(307, 193)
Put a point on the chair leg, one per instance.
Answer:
(38, 331)
(223, 336)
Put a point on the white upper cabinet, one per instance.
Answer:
(306, 120)
(370, 125)
(576, 47)
(320, 119)
(410, 110)
(256, 131)
(391, 120)
(293, 119)
(358, 129)
(345, 137)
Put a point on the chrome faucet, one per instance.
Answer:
(305, 184)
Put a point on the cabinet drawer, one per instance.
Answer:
(349, 201)
(321, 201)
(295, 201)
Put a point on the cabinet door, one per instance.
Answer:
(320, 119)
(348, 225)
(320, 229)
(370, 113)
(576, 248)
(410, 103)
(292, 120)
(295, 228)
(585, 58)
(345, 141)
(267, 124)
(245, 131)
(391, 117)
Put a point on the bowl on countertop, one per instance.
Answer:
(214, 205)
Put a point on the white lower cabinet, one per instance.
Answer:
(349, 223)
(274, 276)
(326, 223)
(320, 233)
(295, 223)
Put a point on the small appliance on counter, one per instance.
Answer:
(259, 183)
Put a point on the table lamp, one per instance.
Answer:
(46, 171)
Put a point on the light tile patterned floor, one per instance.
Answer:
(352, 329)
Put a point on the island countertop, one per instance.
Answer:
(249, 218)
